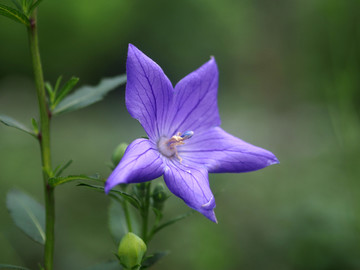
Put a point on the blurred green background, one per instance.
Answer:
(289, 82)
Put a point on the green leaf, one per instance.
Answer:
(8, 266)
(59, 170)
(172, 221)
(14, 14)
(8, 121)
(152, 259)
(55, 181)
(88, 95)
(28, 214)
(35, 125)
(65, 90)
(35, 5)
(111, 265)
(16, 3)
(115, 194)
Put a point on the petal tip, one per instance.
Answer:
(273, 161)
(107, 187)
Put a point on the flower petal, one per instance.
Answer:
(191, 184)
(141, 162)
(195, 101)
(149, 92)
(221, 152)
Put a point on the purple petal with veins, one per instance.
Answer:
(185, 140)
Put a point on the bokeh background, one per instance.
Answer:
(289, 82)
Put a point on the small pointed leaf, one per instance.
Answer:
(8, 266)
(172, 221)
(116, 193)
(65, 90)
(16, 3)
(14, 14)
(59, 171)
(55, 181)
(35, 125)
(28, 214)
(88, 95)
(34, 5)
(11, 122)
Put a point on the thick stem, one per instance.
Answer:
(44, 140)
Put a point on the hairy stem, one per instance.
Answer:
(44, 139)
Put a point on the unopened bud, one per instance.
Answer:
(118, 153)
(159, 196)
(131, 251)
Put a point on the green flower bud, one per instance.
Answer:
(118, 153)
(159, 196)
(131, 251)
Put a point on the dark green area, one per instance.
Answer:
(289, 82)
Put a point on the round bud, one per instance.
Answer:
(131, 251)
(159, 196)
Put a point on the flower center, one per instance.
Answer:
(167, 146)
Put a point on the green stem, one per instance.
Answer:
(44, 139)
(127, 213)
(145, 212)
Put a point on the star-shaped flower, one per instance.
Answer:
(185, 141)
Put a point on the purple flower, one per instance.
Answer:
(185, 141)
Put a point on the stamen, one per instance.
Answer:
(187, 134)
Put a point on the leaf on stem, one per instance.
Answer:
(59, 170)
(88, 95)
(116, 193)
(11, 122)
(64, 91)
(28, 214)
(55, 181)
(8, 266)
(14, 14)
(170, 222)
(33, 6)
(16, 3)
(152, 259)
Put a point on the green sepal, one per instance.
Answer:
(88, 95)
(11, 122)
(28, 214)
(8, 266)
(152, 259)
(116, 194)
(14, 14)
(55, 181)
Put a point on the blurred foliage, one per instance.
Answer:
(289, 82)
